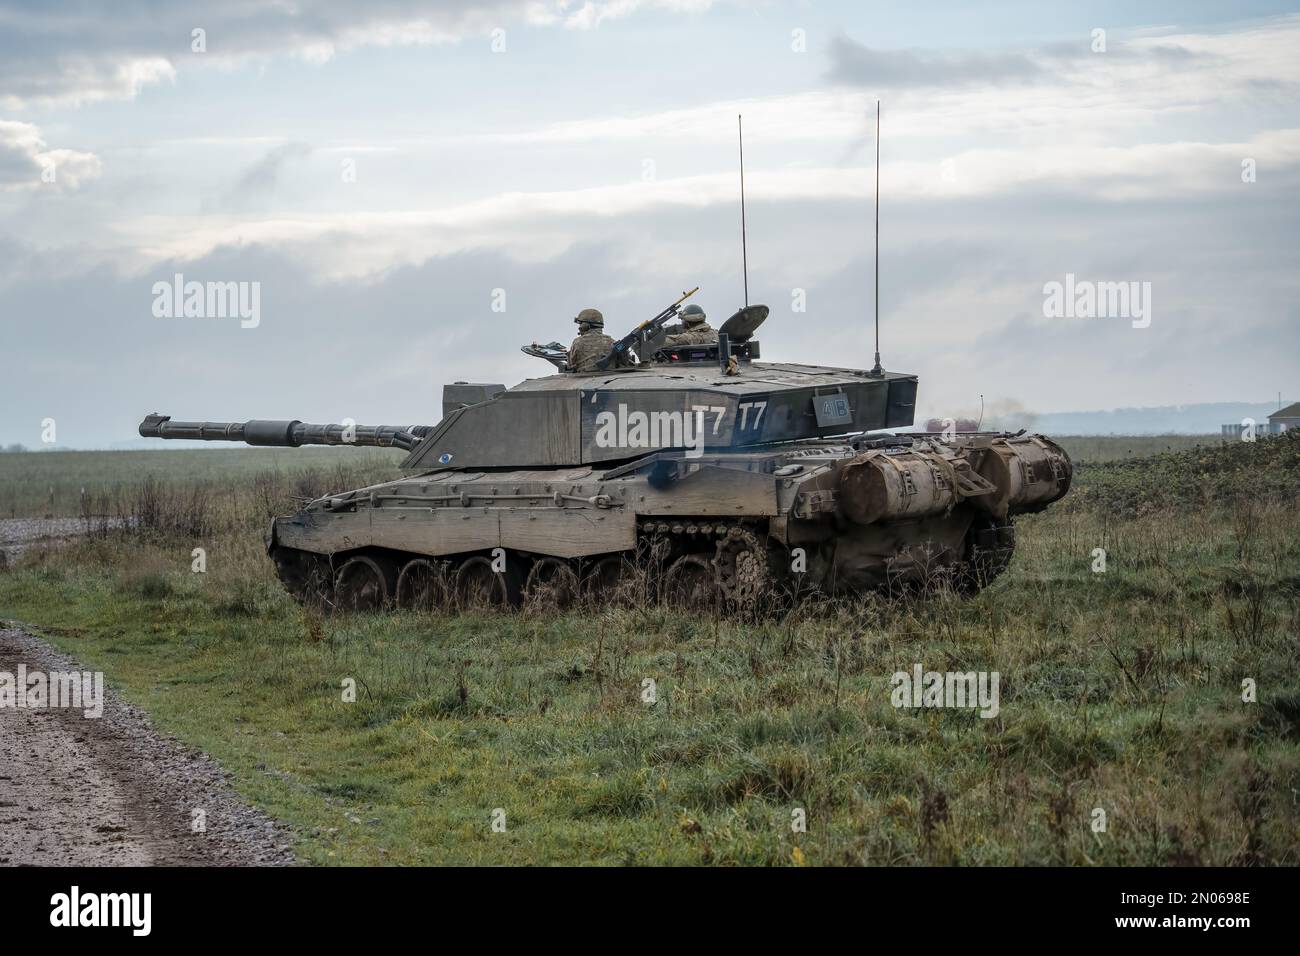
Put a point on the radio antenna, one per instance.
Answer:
(744, 252)
(877, 370)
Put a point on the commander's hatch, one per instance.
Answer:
(739, 331)
(553, 352)
(742, 326)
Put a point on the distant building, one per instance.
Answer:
(1284, 419)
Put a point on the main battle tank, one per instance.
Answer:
(697, 475)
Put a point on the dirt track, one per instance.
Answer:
(112, 791)
(19, 534)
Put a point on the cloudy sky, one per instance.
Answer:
(390, 171)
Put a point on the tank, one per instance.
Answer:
(701, 476)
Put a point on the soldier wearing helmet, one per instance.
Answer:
(592, 344)
(694, 330)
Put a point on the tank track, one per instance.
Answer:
(990, 545)
(734, 564)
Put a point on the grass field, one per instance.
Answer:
(1100, 448)
(1121, 692)
(63, 483)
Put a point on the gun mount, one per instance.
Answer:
(637, 338)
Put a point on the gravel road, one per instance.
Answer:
(112, 791)
(19, 534)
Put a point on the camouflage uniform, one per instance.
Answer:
(592, 344)
(695, 331)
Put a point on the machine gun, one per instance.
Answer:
(618, 354)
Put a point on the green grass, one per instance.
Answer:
(1120, 691)
(1104, 448)
(1232, 474)
(58, 483)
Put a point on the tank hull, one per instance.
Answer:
(839, 516)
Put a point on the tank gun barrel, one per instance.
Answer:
(285, 434)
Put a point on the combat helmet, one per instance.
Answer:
(692, 315)
(590, 317)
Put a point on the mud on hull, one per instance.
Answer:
(737, 530)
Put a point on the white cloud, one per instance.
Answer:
(26, 163)
(533, 225)
(64, 53)
(76, 79)
(1083, 96)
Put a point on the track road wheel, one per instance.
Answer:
(423, 585)
(551, 583)
(611, 581)
(691, 583)
(365, 583)
(480, 586)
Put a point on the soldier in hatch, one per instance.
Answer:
(592, 344)
(694, 330)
